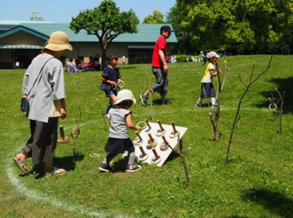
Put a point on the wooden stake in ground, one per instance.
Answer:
(182, 155)
(63, 139)
(281, 109)
(215, 116)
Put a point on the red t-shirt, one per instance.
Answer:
(91, 64)
(161, 44)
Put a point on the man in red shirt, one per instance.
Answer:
(159, 67)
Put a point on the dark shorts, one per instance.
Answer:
(117, 146)
(110, 92)
(207, 90)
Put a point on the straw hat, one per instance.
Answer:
(58, 41)
(123, 95)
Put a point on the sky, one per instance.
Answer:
(61, 11)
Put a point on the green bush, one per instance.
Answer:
(183, 58)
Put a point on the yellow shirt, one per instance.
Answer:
(55, 109)
(207, 75)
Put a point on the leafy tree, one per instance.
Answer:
(175, 17)
(237, 26)
(105, 22)
(157, 17)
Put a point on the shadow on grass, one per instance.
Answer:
(204, 105)
(120, 165)
(172, 156)
(236, 217)
(275, 202)
(158, 101)
(68, 163)
(283, 85)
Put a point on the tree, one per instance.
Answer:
(157, 17)
(175, 17)
(237, 26)
(105, 22)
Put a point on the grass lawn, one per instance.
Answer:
(257, 181)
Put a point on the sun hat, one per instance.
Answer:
(212, 54)
(58, 41)
(123, 95)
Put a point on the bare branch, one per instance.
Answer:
(237, 117)
(241, 80)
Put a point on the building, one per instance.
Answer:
(20, 42)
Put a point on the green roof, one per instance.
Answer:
(147, 33)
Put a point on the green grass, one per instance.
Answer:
(257, 182)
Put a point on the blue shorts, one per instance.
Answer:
(207, 90)
(110, 92)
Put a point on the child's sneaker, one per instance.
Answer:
(133, 168)
(105, 167)
(144, 99)
(215, 105)
(198, 104)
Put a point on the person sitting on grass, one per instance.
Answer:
(90, 66)
(118, 141)
(71, 66)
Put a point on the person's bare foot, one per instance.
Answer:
(20, 162)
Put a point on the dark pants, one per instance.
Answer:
(161, 85)
(41, 145)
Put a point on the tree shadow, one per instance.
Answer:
(284, 85)
(275, 202)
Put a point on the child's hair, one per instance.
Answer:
(111, 57)
(125, 104)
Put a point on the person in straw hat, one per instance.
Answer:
(43, 86)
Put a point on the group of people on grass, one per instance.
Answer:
(76, 66)
(47, 102)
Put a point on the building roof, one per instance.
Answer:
(147, 33)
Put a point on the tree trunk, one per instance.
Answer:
(104, 58)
